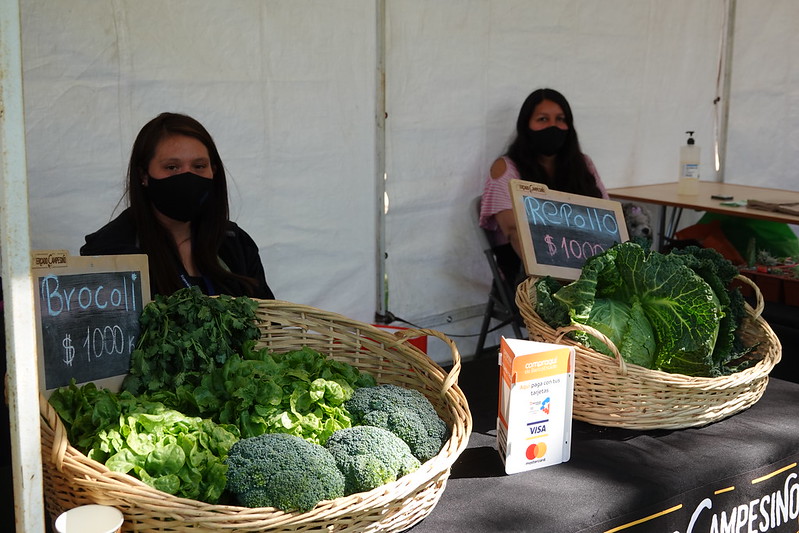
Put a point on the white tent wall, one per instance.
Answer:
(763, 143)
(288, 90)
(638, 75)
(285, 87)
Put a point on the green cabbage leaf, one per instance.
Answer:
(670, 312)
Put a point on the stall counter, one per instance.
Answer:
(741, 471)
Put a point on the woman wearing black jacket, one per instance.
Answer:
(178, 215)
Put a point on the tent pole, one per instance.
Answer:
(724, 93)
(20, 320)
(381, 308)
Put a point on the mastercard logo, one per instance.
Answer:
(536, 451)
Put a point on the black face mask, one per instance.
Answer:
(180, 197)
(549, 140)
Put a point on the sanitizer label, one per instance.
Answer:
(690, 170)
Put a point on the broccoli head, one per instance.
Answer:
(369, 457)
(404, 412)
(283, 471)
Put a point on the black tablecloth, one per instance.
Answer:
(625, 480)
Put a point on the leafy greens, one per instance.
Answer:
(185, 335)
(671, 312)
(198, 384)
(166, 449)
(298, 392)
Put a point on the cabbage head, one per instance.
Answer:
(628, 328)
(659, 311)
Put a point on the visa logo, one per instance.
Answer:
(537, 428)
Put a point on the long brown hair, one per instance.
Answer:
(208, 228)
(571, 171)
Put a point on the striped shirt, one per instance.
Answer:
(496, 196)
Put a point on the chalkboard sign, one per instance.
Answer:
(88, 311)
(558, 231)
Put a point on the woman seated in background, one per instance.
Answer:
(178, 215)
(545, 150)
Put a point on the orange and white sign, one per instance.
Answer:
(536, 389)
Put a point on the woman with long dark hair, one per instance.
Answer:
(178, 215)
(545, 150)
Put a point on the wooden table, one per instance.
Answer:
(665, 195)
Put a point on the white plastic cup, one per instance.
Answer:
(90, 519)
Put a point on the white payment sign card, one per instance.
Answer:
(536, 390)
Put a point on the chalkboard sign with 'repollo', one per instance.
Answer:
(88, 311)
(558, 231)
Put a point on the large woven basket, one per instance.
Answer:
(609, 392)
(71, 479)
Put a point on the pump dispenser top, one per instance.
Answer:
(689, 167)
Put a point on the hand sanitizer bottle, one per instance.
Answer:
(689, 167)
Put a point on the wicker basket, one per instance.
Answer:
(71, 479)
(610, 392)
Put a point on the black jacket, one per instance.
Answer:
(238, 251)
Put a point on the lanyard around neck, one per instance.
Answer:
(208, 285)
